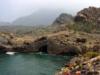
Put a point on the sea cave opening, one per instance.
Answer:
(43, 48)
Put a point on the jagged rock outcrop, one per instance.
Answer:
(63, 19)
(91, 14)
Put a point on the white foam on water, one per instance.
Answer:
(10, 53)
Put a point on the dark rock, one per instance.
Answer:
(24, 48)
(93, 73)
(2, 49)
(96, 48)
(81, 40)
(5, 48)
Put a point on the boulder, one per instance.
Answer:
(93, 73)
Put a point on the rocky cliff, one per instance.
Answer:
(91, 14)
(73, 43)
(56, 43)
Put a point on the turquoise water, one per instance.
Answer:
(30, 64)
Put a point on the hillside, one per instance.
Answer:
(41, 17)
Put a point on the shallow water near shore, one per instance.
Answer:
(31, 64)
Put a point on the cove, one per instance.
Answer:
(31, 64)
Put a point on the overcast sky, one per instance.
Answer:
(12, 9)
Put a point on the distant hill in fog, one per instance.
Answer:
(4, 23)
(42, 17)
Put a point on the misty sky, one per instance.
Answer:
(12, 9)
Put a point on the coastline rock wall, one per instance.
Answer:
(56, 43)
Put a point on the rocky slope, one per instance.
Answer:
(41, 17)
(63, 19)
(88, 14)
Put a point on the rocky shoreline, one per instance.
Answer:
(56, 43)
(60, 43)
(81, 66)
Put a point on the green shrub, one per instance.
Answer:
(91, 54)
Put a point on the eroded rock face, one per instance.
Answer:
(60, 44)
(73, 43)
(23, 44)
(91, 14)
(10, 42)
